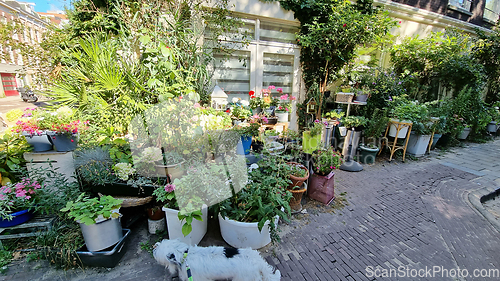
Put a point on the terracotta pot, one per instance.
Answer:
(298, 181)
(155, 213)
(295, 204)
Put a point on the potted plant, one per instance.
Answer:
(321, 183)
(246, 131)
(332, 117)
(354, 126)
(402, 111)
(172, 164)
(362, 95)
(495, 118)
(373, 131)
(29, 126)
(298, 175)
(239, 113)
(250, 217)
(284, 106)
(256, 103)
(18, 201)
(311, 138)
(98, 219)
(421, 131)
(63, 128)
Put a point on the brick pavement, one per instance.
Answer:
(400, 215)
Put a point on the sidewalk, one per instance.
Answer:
(409, 216)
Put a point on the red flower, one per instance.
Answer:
(344, 25)
(251, 93)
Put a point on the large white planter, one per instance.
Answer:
(464, 134)
(245, 234)
(417, 144)
(393, 129)
(174, 226)
(282, 117)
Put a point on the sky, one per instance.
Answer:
(48, 5)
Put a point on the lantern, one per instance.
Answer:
(219, 98)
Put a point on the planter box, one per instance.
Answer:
(321, 188)
(435, 140)
(63, 142)
(174, 226)
(18, 218)
(40, 143)
(417, 144)
(106, 258)
(245, 234)
(102, 235)
(122, 189)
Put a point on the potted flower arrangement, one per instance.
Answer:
(321, 182)
(311, 138)
(403, 112)
(98, 219)
(186, 199)
(256, 103)
(17, 202)
(284, 106)
(250, 217)
(332, 117)
(239, 110)
(29, 126)
(63, 128)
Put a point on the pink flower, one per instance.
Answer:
(316, 121)
(344, 25)
(293, 98)
(169, 187)
(197, 105)
(264, 118)
(279, 90)
(284, 97)
(331, 167)
(271, 87)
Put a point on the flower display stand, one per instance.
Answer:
(36, 226)
(63, 161)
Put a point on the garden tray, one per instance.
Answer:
(106, 258)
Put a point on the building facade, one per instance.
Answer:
(12, 70)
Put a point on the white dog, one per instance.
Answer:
(213, 263)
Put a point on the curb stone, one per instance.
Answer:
(478, 197)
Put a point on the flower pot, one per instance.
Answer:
(417, 144)
(156, 225)
(322, 188)
(463, 135)
(297, 194)
(257, 146)
(175, 170)
(174, 226)
(356, 135)
(435, 140)
(39, 143)
(155, 213)
(310, 144)
(243, 146)
(393, 129)
(101, 235)
(282, 117)
(492, 127)
(298, 181)
(245, 234)
(17, 218)
(63, 142)
(256, 111)
(360, 98)
(367, 155)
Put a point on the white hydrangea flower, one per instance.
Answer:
(235, 100)
(245, 103)
(124, 170)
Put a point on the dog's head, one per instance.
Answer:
(169, 253)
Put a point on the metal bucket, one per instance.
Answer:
(102, 235)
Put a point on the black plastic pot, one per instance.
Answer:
(106, 258)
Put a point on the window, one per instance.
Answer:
(233, 74)
(278, 71)
(273, 32)
(460, 5)
(492, 10)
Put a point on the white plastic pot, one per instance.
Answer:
(245, 234)
(393, 129)
(417, 144)
(174, 226)
(492, 127)
(282, 117)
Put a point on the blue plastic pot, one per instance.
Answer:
(63, 142)
(243, 147)
(40, 143)
(18, 218)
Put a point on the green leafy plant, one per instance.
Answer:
(334, 115)
(354, 121)
(12, 148)
(89, 211)
(172, 158)
(324, 161)
(375, 126)
(316, 128)
(247, 129)
(297, 170)
(240, 112)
